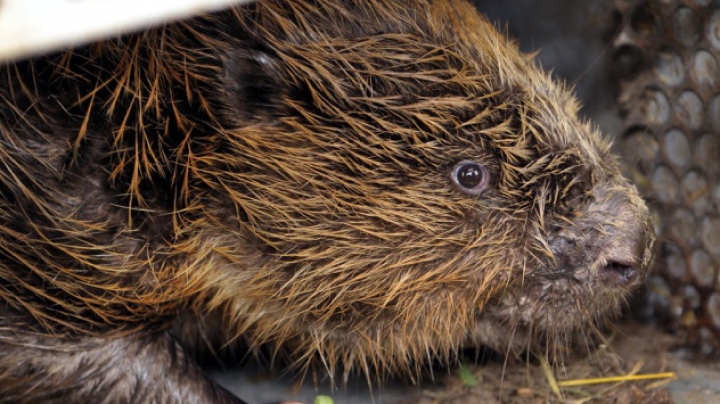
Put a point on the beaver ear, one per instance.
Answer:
(253, 85)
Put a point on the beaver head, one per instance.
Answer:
(388, 181)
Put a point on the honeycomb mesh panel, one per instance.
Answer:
(666, 61)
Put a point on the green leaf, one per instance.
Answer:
(323, 400)
(466, 375)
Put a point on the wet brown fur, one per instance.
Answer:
(282, 171)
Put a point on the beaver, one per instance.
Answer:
(360, 184)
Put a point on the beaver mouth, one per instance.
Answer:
(614, 273)
(571, 296)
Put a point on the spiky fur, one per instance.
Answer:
(285, 167)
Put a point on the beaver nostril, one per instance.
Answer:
(619, 273)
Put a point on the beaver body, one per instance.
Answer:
(371, 183)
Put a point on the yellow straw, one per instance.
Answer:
(627, 378)
(554, 386)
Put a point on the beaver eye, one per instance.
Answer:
(470, 177)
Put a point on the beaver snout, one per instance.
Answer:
(574, 255)
(610, 241)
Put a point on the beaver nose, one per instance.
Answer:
(628, 253)
(619, 273)
(610, 241)
(614, 265)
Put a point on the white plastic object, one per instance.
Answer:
(30, 27)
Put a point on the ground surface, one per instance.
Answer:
(631, 348)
